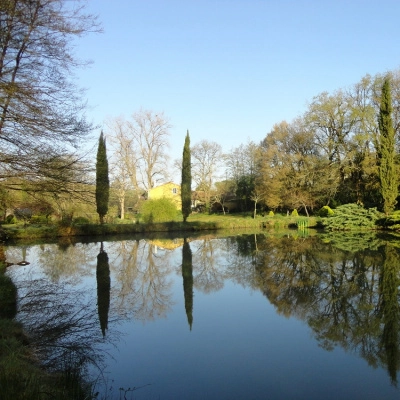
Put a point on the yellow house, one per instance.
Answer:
(169, 190)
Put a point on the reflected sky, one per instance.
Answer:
(258, 309)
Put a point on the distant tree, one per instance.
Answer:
(124, 161)
(150, 132)
(102, 180)
(206, 161)
(186, 184)
(241, 167)
(386, 150)
(223, 190)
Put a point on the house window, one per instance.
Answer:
(174, 190)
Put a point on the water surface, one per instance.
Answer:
(239, 317)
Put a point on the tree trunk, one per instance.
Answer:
(122, 207)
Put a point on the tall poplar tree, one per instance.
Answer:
(186, 184)
(386, 150)
(102, 180)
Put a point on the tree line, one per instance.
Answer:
(343, 149)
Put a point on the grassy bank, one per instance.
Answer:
(196, 222)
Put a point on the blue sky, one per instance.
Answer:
(228, 70)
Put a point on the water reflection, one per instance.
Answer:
(187, 274)
(389, 309)
(345, 287)
(143, 287)
(103, 288)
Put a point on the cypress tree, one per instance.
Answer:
(102, 181)
(386, 150)
(186, 184)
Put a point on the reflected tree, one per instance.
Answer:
(62, 326)
(73, 261)
(142, 285)
(242, 255)
(187, 274)
(348, 298)
(103, 288)
(208, 262)
(389, 309)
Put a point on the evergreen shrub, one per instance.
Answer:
(325, 211)
(271, 214)
(295, 213)
(351, 217)
(158, 210)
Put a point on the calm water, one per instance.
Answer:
(240, 317)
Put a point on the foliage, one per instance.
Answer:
(42, 113)
(206, 159)
(325, 211)
(11, 219)
(352, 216)
(158, 210)
(80, 220)
(102, 180)
(352, 241)
(271, 213)
(386, 150)
(295, 213)
(186, 183)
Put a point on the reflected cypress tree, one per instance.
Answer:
(390, 310)
(187, 274)
(103, 288)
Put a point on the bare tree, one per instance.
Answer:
(206, 158)
(123, 160)
(41, 109)
(150, 132)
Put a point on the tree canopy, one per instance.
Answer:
(42, 118)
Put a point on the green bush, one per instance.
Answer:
(158, 210)
(271, 214)
(81, 221)
(325, 211)
(295, 213)
(10, 219)
(352, 216)
(39, 219)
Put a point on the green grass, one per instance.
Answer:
(195, 222)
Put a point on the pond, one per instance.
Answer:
(246, 316)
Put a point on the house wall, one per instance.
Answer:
(169, 190)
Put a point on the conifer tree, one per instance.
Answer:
(186, 184)
(386, 150)
(102, 180)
